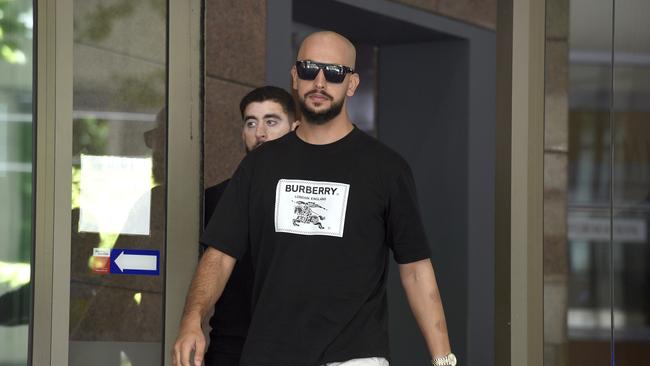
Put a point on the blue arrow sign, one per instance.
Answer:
(135, 261)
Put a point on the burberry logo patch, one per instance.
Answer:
(310, 207)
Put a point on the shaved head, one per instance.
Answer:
(328, 47)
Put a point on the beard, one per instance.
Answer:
(322, 117)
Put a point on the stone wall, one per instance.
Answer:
(235, 63)
(556, 147)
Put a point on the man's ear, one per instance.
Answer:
(294, 77)
(295, 125)
(352, 84)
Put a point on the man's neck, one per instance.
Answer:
(326, 133)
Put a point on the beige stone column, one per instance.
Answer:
(556, 122)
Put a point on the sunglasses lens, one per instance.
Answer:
(334, 74)
(334, 77)
(307, 71)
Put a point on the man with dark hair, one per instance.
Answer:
(320, 227)
(265, 96)
(268, 113)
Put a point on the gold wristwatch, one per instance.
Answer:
(448, 360)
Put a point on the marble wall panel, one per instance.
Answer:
(557, 96)
(555, 232)
(222, 135)
(557, 19)
(556, 142)
(555, 172)
(235, 40)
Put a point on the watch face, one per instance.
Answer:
(452, 359)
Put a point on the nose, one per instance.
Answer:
(319, 81)
(260, 132)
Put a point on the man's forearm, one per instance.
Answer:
(419, 282)
(208, 283)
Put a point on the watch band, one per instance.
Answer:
(448, 360)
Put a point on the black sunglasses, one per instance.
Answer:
(308, 70)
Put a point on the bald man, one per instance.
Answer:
(320, 228)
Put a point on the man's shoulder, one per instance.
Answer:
(211, 198)
(274, 145)
(379, 151)
(217, 189)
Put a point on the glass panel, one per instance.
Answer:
(589, 179)
(631, 183)
(588, 237)
(16, 174)
(577, 245)
(118, 190)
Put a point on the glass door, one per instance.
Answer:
(16, 179)
(597, 249)
(630, 176)
(109, 82)
(118, 187)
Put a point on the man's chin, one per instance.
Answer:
(318, 119)
(321, 114)
(318, 107)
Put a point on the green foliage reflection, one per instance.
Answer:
(14, 29)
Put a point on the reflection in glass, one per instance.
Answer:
(608, 204)
(16, 174)
(588, 217)
(577, 245)
(589, 188)
(631, 183)
(118, 190)
(589, 247)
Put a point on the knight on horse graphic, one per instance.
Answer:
(305, 214)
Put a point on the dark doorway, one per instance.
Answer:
(431, 98)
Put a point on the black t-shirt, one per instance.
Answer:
(232, 313)
(318, 221)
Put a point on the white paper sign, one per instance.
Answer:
(311, 208)
(115, 194)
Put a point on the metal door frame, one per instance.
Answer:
(519, 292)
(53, 159)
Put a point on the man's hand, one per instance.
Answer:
(190, 338)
